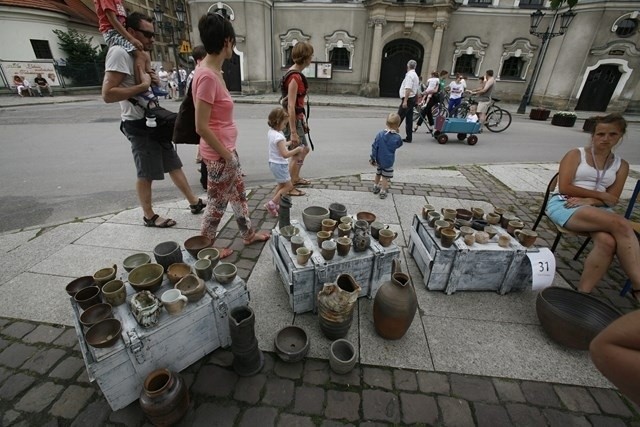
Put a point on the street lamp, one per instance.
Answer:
(181, 14)
(536, 19)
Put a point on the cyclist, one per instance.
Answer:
(484, 98)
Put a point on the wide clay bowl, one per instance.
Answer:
(195, 244)
(177, 271)
(225, 272)
(78, 284)
(96, 313)
(572, 318)
(147, 277)
(191, 287)
(167, 253)
(366, 216)
(464, 214)
(288, 231)
(87, 297)
(312, 217)
(292, 344)
(135, 260)
(105, 333)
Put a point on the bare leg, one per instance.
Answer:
(598, 261)
(282, 190)
(180, 180)
(384, 184)
(295, 164)
(143, 188)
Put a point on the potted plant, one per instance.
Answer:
(589, 124)
(539, 114)
(564, 118)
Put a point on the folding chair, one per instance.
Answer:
(635, 225)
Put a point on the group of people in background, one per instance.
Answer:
(23, 85)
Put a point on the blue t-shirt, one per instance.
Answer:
(383, 149)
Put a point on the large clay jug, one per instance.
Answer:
(164, 398)
(395, 305)
(335, 306)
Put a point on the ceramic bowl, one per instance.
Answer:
(96, 313)
(225, 272)
(464, 214)
(105, 333)
(482, 237)
(105, 275)
(365, 216)
(87, 297)
(337, 211)
(167, 253)
(191, 287)
(288, 231)
(491, 231)
(78, 284)
(147, 277)
(479, 224)
(292, 344)
(211, 254)
(195, 244)
(177, 271)
(135, 260)
(312, 217)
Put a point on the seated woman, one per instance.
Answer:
(589, 184)
(21, 85)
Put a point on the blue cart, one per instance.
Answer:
(459, 126)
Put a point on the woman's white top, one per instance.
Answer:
(590, 178)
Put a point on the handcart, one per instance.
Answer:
(459, 126)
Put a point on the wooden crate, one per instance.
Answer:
(370, 268)
(175, 342)
(464, 268)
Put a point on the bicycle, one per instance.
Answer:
(438, 109)
(497, 120)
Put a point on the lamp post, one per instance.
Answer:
(536, 18)
(158, 14)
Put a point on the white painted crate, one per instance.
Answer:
(480, 267)
(175, 342)
(370, 268)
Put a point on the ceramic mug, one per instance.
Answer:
(344, 245)
(426, 209)
(506, 217)
(447, 237)
(478, 213)
(114, 292)
(504, 240)
(433, 217)
(526, 237)
(376, 226)
(514, 225)
(296, 242)
(448, 213)
(204, 269)
(499, 211)
(346, 220)
(439, 225)
(302, 255)
(329, 225)
(322, 236)
(466, 231)
(328, 249)
(386, 237)
(344, 230)
(469, 239)
(493, 218)
(173, 301)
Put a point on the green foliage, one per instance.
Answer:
(85, 63)
(556, 4)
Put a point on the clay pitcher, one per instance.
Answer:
(395, 305)
(164, 398)
(335, 306)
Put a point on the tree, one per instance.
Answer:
(84, 62)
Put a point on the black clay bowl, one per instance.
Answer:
(571, 318)
(337, 211)
(195, 244)
(87, 297)
(292, 344)
(479, 224)
(147, 277)
(78, 284)
(105, 333)
(464, 214)
(96, 313)
(366, 216)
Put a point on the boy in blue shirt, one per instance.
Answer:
(383, 154)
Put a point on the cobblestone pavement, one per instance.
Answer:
(43, 380)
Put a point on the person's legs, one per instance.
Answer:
(217, 198)
(39, 89)
(20, 88)
(411, 102)
(402, 111)
(143, 189)
(375, 189)
(432, 101)
(296, 162)
(180, 180)
(597, 262)
(453, 104)
(482, 109)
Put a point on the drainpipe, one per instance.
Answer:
(273, 53)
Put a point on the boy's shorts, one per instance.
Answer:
(385, 172)
(280, 171)
(114, 38)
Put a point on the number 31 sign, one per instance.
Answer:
(543, 268)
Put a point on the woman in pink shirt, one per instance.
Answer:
(218, 133)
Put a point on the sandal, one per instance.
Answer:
(297, 192)
(198, 207)
(151, 222)
(302, 181)
(257, 238)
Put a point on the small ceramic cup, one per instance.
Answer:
(433, 217)
(114, 293)
(329, 225)
(491, 231)
(466, 231)
(346, 220)
(447, 237)
(526, 237)
(448, 213)
(173, 301)
(376, 226)
(426, 209)
(493, 218)
(439, 225)
(478, 213)
(506, 217)
(344, 230)
(512, 226)
(344, 245)
(302, 255)
(87, 297)
(322, 236)
(386, 237)
(499, 211)
(296, 242)
(504, 240)
(204, 269)
(328, 249)
(469, 239)
(105, 275)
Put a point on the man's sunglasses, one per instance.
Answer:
(147, 34)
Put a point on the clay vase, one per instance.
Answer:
(395, 305)
(247, 357)
(164, 398)
(361, 237)
(335, 306)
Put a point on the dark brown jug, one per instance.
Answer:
(395, 305)
(164, 398)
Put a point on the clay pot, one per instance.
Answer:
(78, 284)
(313, 216)
(292, 344)
(87, 297)
(191, 287)
(164, 398)
(342, 356)
(145, 308)
(337, 211)
(335, 306)
(105, 275)
(247, 357)
(167, 253)
(361, 238)
(395, 305)
(177, 271)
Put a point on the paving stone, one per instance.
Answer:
(351, 379)
(577, 399)
(541, 394)
(279, 392)
(431, 382)
(95, 414)
(248, 388)
(525, 416)
(18, 329)
(83, 377)
(67, 339)
(258, 417)
(315, 372)
(4, 343)
(131, 415)
(376, 377)
(343, 405)
(610, 402)
(605, 421)
(4, 374)
(292, 371)
(39, 397)
(309, 400)
(44, 360)
(213, 415)
(16, 354)
(557, 418)
(269, 362)
(380, 405)
(221, 357)
(455, 412)
(14, 385)
(331, 423)
(43, 333)
(405, 380)
(475, 389)
(9, 417)
(418, 408)
(508, 391)
(68, 368)
(71, 402)
(291, 420)
(215, 381)
(491, 415)
(4, 322)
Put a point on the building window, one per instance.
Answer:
(287, 42)
(339, 50)
(512, 68)
(41, 49)
(626, 27)
(468, 56)
(465, 64)
(480, 3)
(339, 58)
(288, 58)
(515, 60)
(531, 4)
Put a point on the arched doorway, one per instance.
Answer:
(231, 73)
(599, 87)
(395, 56)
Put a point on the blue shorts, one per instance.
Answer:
(385, 172)
(280, 171)
(559, 213)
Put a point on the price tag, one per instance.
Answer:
(543, 268)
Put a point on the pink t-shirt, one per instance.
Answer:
(208, 87)
(115, 6)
